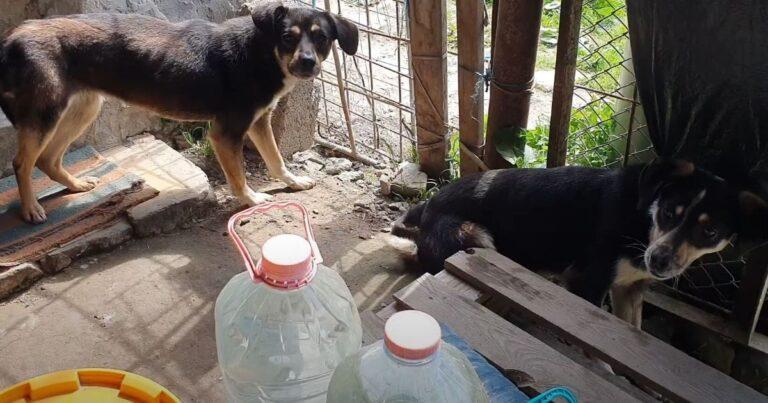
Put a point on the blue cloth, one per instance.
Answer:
(497, 386)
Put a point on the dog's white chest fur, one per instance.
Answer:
(627, 273)
(288, 83)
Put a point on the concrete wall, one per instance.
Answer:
(294, 119)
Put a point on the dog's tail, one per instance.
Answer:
(408, 225)
(431, 244)
(405, 231)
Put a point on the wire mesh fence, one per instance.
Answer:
(375, 82)
(608, 129)
(607, 126)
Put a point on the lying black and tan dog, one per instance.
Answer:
(597, 229)
(54, 72)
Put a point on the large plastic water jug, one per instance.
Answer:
(411, 364)
(284, 324)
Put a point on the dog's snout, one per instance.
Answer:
(307, 60)
(661, 257)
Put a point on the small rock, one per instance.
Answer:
(308, 155)
(315, 212)
(409, 180)
(335, 166)
(385, 185)
(385, 230)
(18, 278)
(398, 206)
(55, 262)
(350, 176)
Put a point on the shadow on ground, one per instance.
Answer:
(147, 307)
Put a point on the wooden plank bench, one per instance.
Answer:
(628, 350)
(454, 297)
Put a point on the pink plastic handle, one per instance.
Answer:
(260, 209)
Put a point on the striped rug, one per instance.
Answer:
(69, 214)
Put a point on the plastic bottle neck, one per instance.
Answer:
(414, 362)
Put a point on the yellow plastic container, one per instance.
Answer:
(88, 385)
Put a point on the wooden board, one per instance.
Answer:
(751, 296)
(373, 327)
(519, 355)
(630, 351)
(706, 320)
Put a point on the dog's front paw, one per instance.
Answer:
(84, 184)
(33, 213)
(252, 198)
(300, 182)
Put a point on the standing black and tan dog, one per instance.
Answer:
(54, 73)
(596, 229)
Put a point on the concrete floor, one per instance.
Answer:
(147, 307)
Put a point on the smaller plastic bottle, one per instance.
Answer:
(411, 364)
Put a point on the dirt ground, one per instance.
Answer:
(147, 307)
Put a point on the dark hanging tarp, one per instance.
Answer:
(702, 74)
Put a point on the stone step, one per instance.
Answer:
(185, 194)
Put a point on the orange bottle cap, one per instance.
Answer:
(412, 335)
(286, 260)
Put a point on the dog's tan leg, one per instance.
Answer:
(627, 301)
(229, 152)
(31, 144)
(82, 111)
(261, 135)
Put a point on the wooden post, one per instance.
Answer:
(342, 92)
(469, 14)
(513, 66)
(565, 73)
(751, 296)
(429, 47)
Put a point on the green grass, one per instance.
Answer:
(196, 135)
(590, 146)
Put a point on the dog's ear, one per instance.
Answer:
(754, 215)
(658, 173)
(346, 34)
(269, 17)
(279, 14)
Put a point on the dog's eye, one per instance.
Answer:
(668, 213)
(288, 38)
(710, 233)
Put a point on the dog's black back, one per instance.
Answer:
(191, 70)
(578, 221)
(545, 218)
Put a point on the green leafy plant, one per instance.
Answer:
(197, 139)
(454, 156)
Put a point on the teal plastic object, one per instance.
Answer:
(550, 395)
